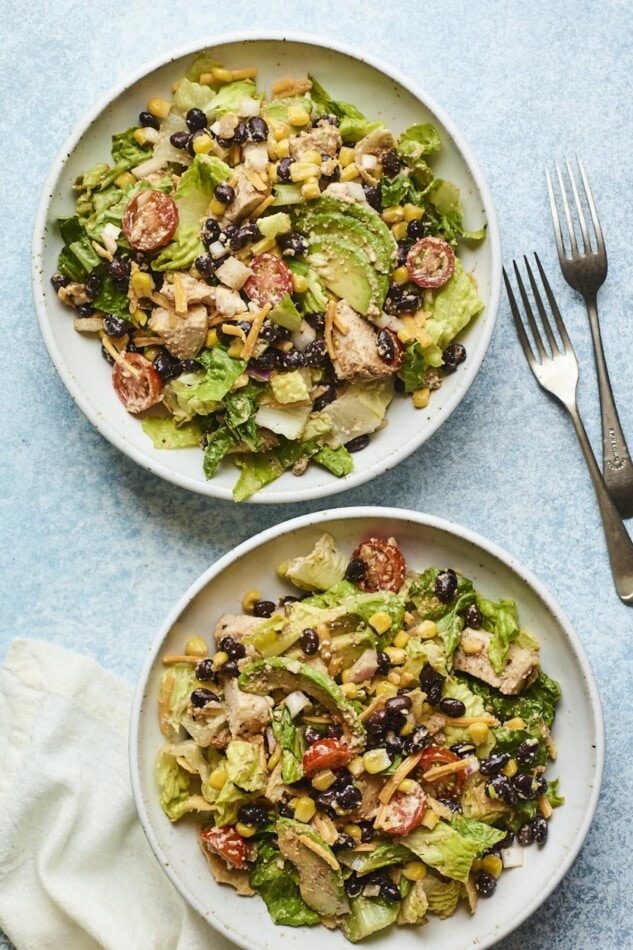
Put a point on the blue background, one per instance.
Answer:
(95, 550)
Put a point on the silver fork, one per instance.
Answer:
(556, 370)
(585, 270)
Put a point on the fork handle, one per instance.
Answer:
(619, 544)
(616, 460)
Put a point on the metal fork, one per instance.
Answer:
(556, 370)
(585, 270)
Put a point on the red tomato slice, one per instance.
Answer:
(326, 754)
(271, 280)
(448, 784)
(226, 842)
(430, 262)
(404, 812)
(150, 220)
(385, 565)
(138, 387)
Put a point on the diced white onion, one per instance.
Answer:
(296, 701)
(146, 168)
(302, 337)
(215, 128)
(512, 857)
(109, 236)
(248, 107)
(369, 162)
(387, 322)
(216, 249)
(233, 273)
(371, 890)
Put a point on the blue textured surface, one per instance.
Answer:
(95, 550)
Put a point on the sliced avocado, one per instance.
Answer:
(321, 886)
(378, 251)
(347, 272)
(328, 204)
(280, 672)
(285, 314)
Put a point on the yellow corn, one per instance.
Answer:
(219, 659)
(399, 230)
(141, 283)
(478, 732)
(212, 338)
(222, 75)
(299, 283)
(151, 352)
(246, 831)
(279, 130)
(380, 621)
(411, 212)
(311, 156)
(141, 136)
(421, 397)
(323, 780)
(476, 865)
(310, 190)
(407, 729)
(216, 207)
(159, 108)
(386, 689)
(427, 629)
(218, 779)
(350, 172)
(235, 349)
(266, 244)
(353, 831)
(356, 767)
(393, 214)
(304, 809)
(511, 768)
(516, 723)
(407, 785)
(492, 864)
(544, 806)
(274, 759)
(394, 678)
(350, 690)
(298, 116)
(406, 679)
(414, 870)
(282, 149)
(124, 180)
(404, 336)
(401, 275)
(346, 156)
(249, 600)
(401, 640)
(202, 144)
(430, 819)
(376, 760)
(397, 656)
(196, 647)
(300, 171)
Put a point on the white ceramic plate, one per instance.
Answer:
(382, 94)
(578, 730)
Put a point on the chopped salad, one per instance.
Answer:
(365, 751)
(266, 273)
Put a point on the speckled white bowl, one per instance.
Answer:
(379, 91)
(424, 540)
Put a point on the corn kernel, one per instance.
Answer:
(427, 629)
(202, 144)
(300, 171)
(353, 831)
(350, 690)
(274, 759)
(124, 180)
(406, 679)
(545, 806)
(249, 600)
(420, 397)
(380, 621)
(511, 768)
(304, 809)
(298, 116)
(407, 785)
(401, 640)
(212, 338)
(299, 283)
(246, 831)
(356, 766)
(140, 136)
(235, 349)
(376, 760)
(350, 172)
(414, 870)
(151, 352)
(266, 244)
(159, 108)
(516, 723)
(322, 780)
(142, 284)
(478, 732)
(492, 864)
(399, 230)
(476, 865)
(219, 659)
(396, 656)
(411, 212)
(400, 275)
(279, 130)
(221, 75)
(408, 727)
(430, 819)
(394, 678)
(196, 646)
(310, 190)
(282, 149)
(216, 207)
(393, 214)
(311, 156)
(271, 171)
(218, 779)
(386, 689)
(346, 156)
(404, 336)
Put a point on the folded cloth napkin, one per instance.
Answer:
(76, 872)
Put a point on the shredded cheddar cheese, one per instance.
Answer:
(388, 789)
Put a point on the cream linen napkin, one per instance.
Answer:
(76, 872)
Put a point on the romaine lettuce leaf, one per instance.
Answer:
(444, 849)
(262, 468)
(165, 434)
(453, 307)
(413, 369)
(385, 854)
(367, 916)
(277, 883)
(201, 393)
(414, 906)
(219, 444)
(177, 683)
(244, 766)
(458, 689)
(287, 735)
(180, 253)
(196, 187)
(112, 300)
(484, 835)
(338, 461)
(353, 125)
(501, 619)
(420, 139)
(442, 896)
(174, 786)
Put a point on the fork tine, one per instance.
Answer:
(555, 216)
(518, 322)
(592, 207)
(562, 329)
(541, 309)
(570, 223)
(579, 211)
(527, 306)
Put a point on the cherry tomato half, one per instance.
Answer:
(448, 784)
(150, 220)
(139, 387)
(430, 262)
(226, 842)
(384, 565)
(271, 280)
(404, 812)
(326, 754)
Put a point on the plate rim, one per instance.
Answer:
(421, 519)
(208, 488)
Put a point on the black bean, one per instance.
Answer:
(224, 193)
(118, 269)
(205, 671)
(267, 361)
(254, 815)
(390, 892)
(452, 707)
(344, 843)
(166, 365)
(326, 397)
(417, 740)
(325, 801)
(334, 174)
(485, 884)
(211, 231)
(473, 617)
(293, 359)
(451, 803)
(377, 721)
(527, 752)
(328, 118)
(311, 735)
(288, 599)
(58, 281)
(180, 139)
(432, 683)
(501, 788)
(402, 252)
(391, 164)
(115, 327)
(292, 244)
(398, 705)
(349, 798)
(463, 749)
(205, 265)
(224, 141)
(355, 571)
(385, 344)
(416, 229)
(503, 844)
(231, 668)
(263, 608)
(233, 648)
(525, 834)
(394, 743)
(316, 320)
(353, 886)
(93, 285)
(309, 641)
(366, 831)
(446, 586)
(315, 353)
(257, 129)
(358, 444)
(107, 356)
(525, 785)
(334, 731)
(283, 168)
(250, 229)
(398, 385)
(148, 121)
(240, 133)
(541, 785)
(84, 310)
(539, 829)
(384, 663)
(284, 810)
(373, 195)
(493, 764)
(133, 348)
(196, 119)
(200, 697)
(453, 355)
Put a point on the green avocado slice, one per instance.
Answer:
(321, 886)
(369, 242)
(347, 271)
(280, 672)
